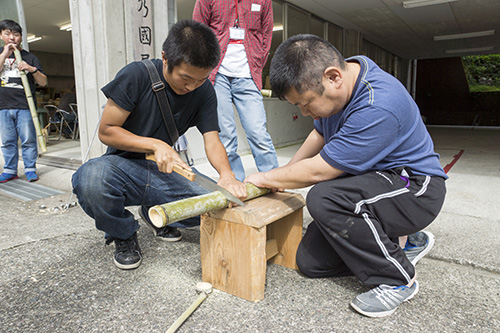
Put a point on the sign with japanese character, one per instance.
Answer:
(142, 23)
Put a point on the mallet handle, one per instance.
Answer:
(177, 169)
(175, 326)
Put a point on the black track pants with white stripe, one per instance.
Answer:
(357, 222)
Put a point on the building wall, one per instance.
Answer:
(59, 69)
(285, 124)
(105, 40)
(102, 44)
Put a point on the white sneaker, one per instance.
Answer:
(383, 300)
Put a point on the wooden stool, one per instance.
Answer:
(236, 243)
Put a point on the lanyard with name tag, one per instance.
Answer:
(236, 34)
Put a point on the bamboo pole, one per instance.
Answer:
(31, 103)
(162, 215)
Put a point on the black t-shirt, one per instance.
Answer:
(131, 90)
(12, 95)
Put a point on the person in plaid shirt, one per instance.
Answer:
(244, 30)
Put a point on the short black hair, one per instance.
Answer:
(191, 42)
(10, 25)
(299, 62)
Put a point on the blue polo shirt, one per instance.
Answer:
(379, 129)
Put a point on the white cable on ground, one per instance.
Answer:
(66, 207)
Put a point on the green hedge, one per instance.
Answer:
(482, 72)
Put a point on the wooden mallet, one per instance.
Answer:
(203, 289)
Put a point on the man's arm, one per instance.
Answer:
(40, 78)
(267, 29)
(301, 174)
(311, 147)
(217, 157)
(306, 168)
(114, 135)
(4, 55)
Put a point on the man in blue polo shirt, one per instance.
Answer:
(376, 175)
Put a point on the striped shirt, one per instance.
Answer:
(255, 16)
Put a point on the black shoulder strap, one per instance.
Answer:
(159, 88)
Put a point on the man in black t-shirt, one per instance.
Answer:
(132, 126)
(15, 115)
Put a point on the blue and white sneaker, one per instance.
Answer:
(31, 176)
(5, 177)
(418, 245)
(383, 300)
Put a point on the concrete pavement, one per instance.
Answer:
(58, 276)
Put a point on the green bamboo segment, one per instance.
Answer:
(31, 103)
(254, 191)
(162, 215)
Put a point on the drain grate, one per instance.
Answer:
(26, 191)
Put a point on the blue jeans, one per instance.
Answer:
(248, 101)
(107, 184)
(16, 123)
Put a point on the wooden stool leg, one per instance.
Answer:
(288, 233)
(233, 257)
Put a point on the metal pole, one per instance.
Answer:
(414, 80)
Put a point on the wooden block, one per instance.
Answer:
(233, 257)
(288, 234)
(261, 211)
(271, 248)
(236, 243)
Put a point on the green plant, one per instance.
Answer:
(482, 72)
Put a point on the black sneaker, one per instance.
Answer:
(127, 252)
(167, 233)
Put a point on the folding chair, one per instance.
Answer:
(75, 130)
(55, 119)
